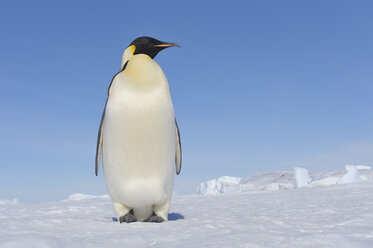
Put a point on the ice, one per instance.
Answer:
(354, 173)
(268, 181)
(219, 186)
(275, 180)
(302, 177)
(284, 180)
(351, 176)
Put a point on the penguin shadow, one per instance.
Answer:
(175, 216)
(171, 217)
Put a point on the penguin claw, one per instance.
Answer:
(154, 218)
(128, 218)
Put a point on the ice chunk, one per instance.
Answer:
(351, 176)
(220, 185)
(301, 177)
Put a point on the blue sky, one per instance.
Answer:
(256, 86)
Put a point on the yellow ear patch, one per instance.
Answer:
(128, 53)
(132, 48)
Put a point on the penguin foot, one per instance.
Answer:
(154, 218)
(128, 218)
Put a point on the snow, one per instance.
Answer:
(305, 217)
(266, 210)
(326, 181)
(301, 177)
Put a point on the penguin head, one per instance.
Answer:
(145, 45)
(149, 46)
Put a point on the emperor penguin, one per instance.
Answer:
(138, 137)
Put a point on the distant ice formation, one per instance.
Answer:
(302, 177)
(363, 167)
(285, 180)
(219, 186)
(11, 202)
(269, 181)
(79, 197)
(351, 176)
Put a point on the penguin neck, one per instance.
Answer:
(127, 55)
(142, 69)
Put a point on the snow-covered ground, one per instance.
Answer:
(338, 215)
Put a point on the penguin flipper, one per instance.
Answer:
(99, 142)
(178, 155)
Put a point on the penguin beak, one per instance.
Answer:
(165, 45)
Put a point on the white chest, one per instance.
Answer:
(139, 135)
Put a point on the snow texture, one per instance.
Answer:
(302, 177)
(334, 216)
